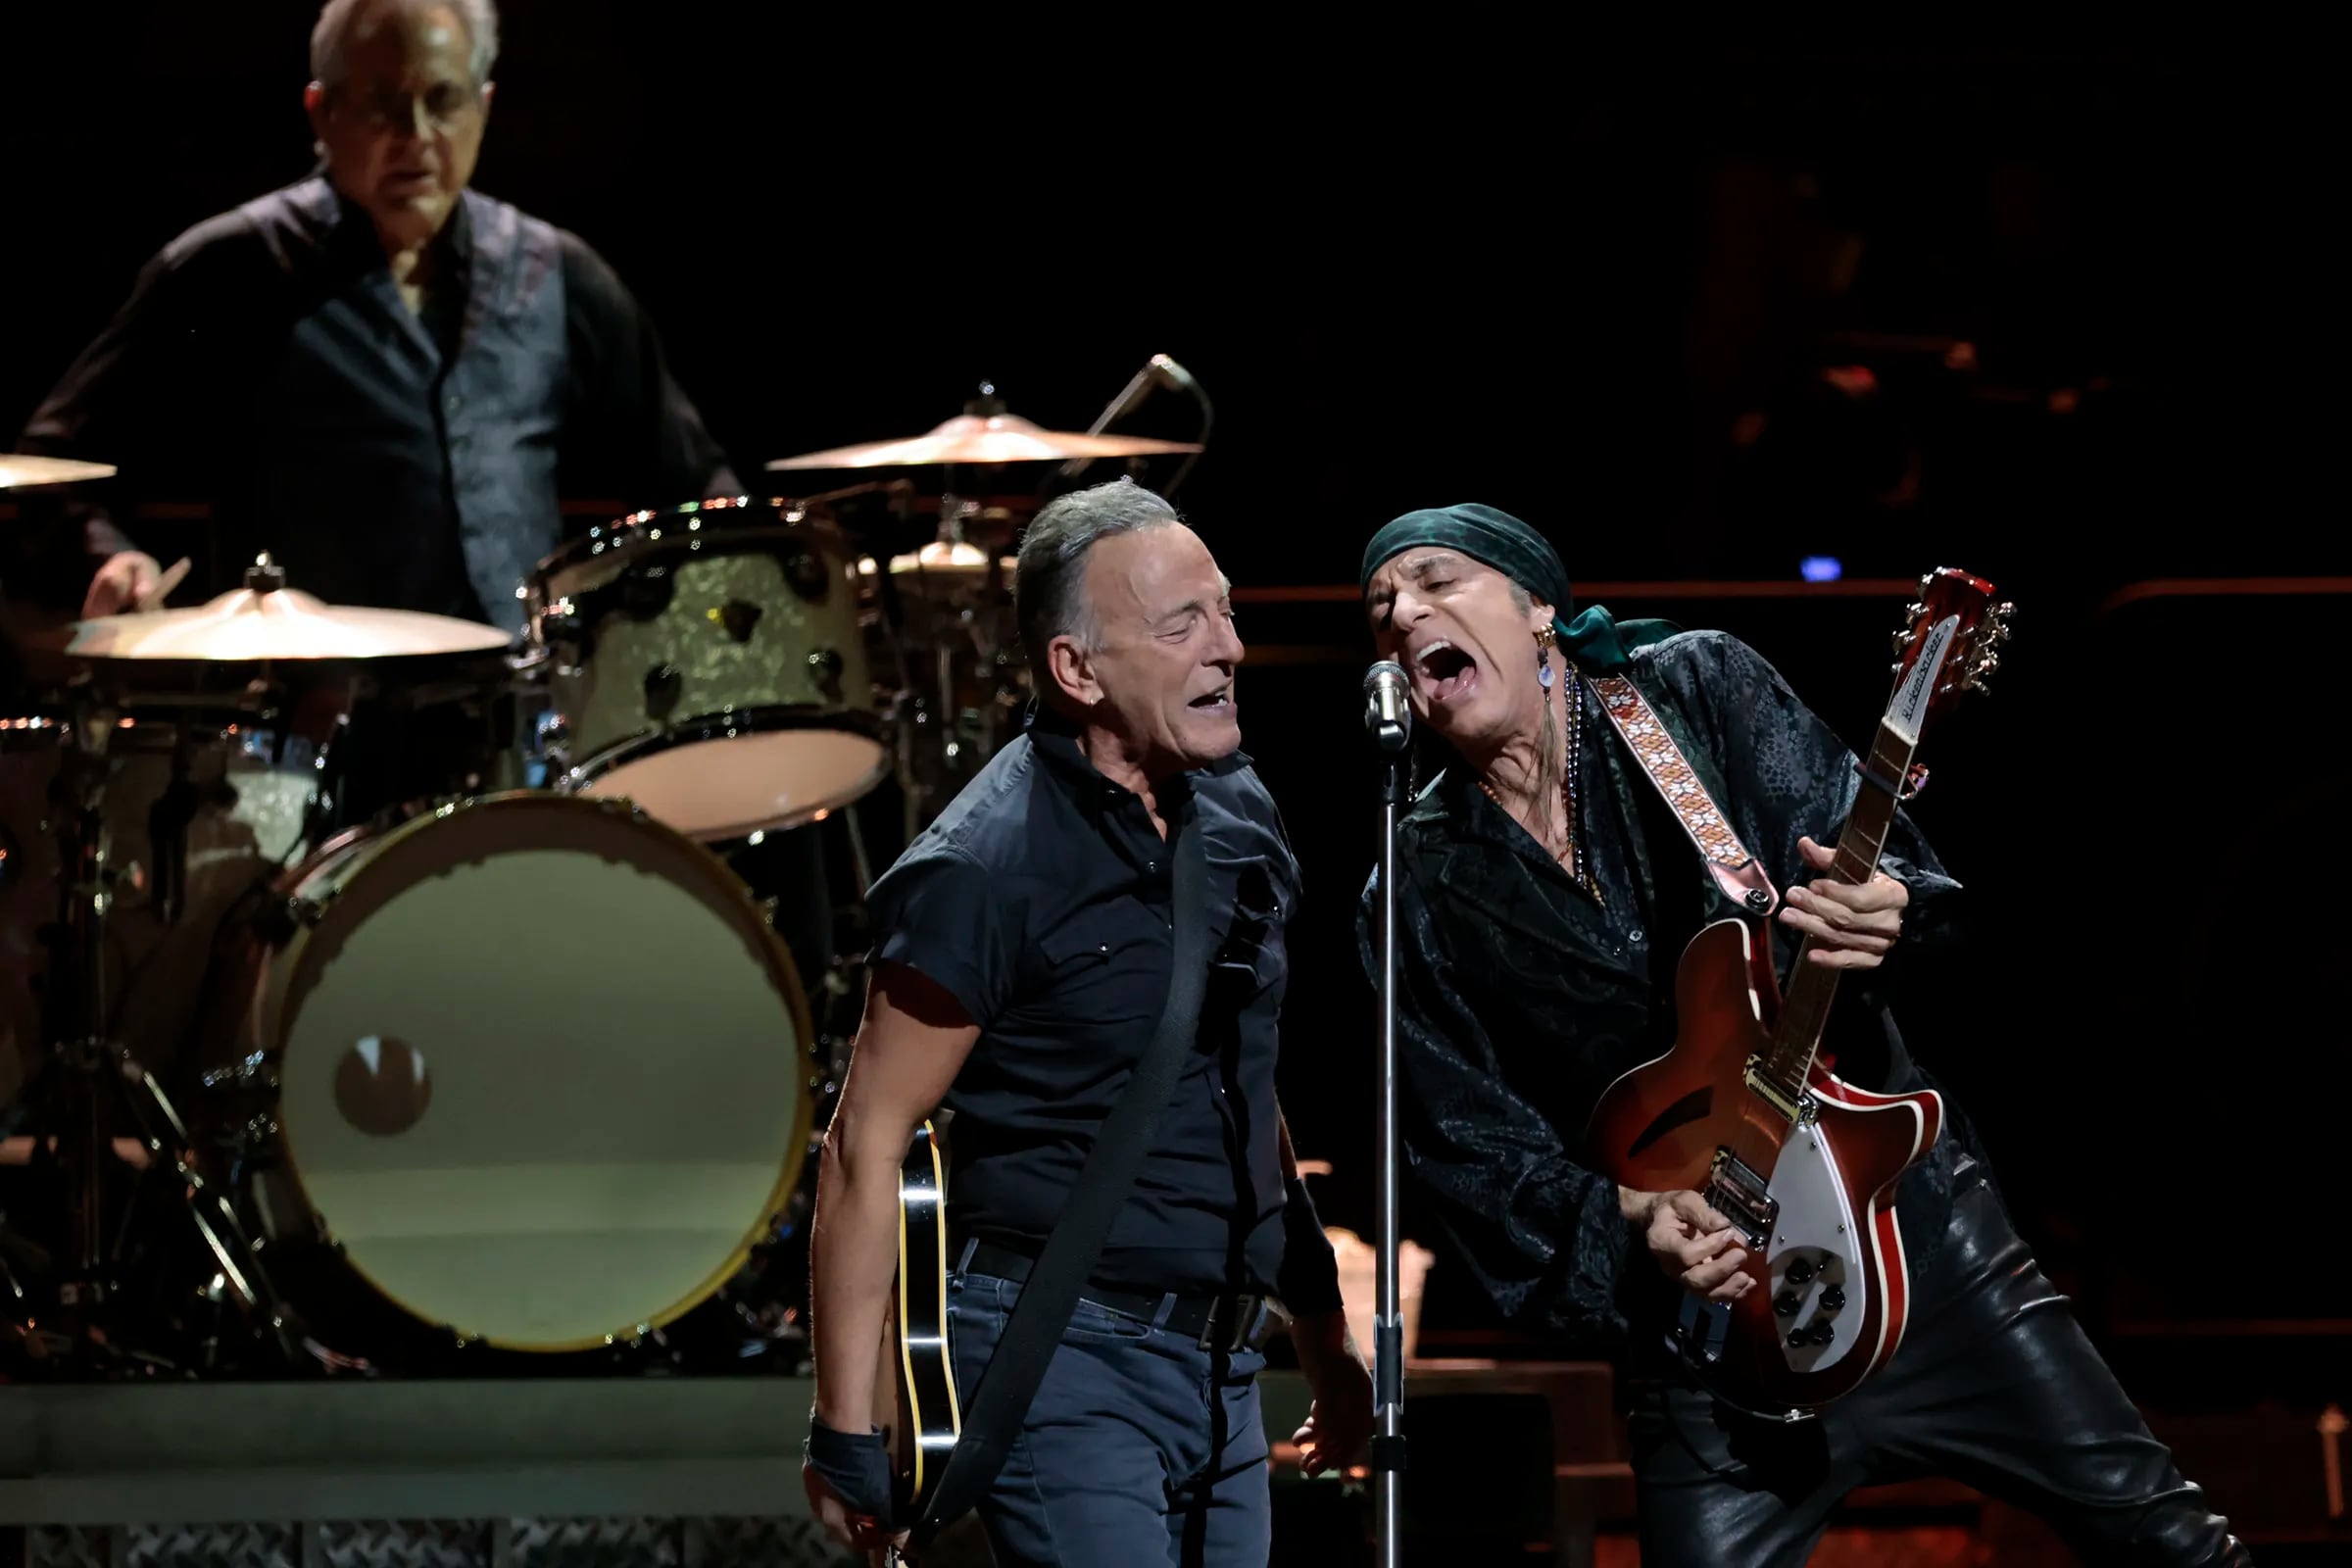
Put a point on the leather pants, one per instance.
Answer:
(1995, 1385)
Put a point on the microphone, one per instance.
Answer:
(1175, 377)
(1158, 372)
(1387, 714)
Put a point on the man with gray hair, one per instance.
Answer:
(375, 373)
(1025, 947)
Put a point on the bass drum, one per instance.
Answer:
(533, 1076)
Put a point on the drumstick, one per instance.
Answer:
(165, 584)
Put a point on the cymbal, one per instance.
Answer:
(244, 626)
(940, 555)
(19, 469)
(984, 438)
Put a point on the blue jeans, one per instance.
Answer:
(1140, 1448)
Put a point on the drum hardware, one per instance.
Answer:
(1159, 371)
(89, 1086)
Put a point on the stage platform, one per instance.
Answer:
(1511, 1463)
(549, 1472)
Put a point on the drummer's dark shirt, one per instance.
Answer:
(265, 363)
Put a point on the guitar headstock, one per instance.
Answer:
(1950, 645)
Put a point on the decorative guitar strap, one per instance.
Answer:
(1740, 874)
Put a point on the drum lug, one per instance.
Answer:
(740, 618)
(824, 669)
(808, 572)
(663, 685)
(301, 912)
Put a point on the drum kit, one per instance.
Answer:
(320, 1066)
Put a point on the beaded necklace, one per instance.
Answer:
(1569, 791)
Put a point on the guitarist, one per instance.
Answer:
(1023, 951)
(1544, 893)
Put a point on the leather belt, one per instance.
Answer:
(1229, 1323)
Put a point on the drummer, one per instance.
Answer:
(376, 375)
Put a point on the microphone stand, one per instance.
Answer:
(1388, 1330)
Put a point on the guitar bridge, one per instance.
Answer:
(1742, 1196)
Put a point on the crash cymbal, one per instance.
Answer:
(245, 626)
(984, 438)
(20, 470)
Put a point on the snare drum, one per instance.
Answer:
(541, 1078)
(709, 662)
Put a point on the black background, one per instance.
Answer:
(1598, 287)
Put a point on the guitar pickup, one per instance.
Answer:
(1741, 1194)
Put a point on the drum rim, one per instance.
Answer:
(293, 957)
(769, 517)
(732, 724)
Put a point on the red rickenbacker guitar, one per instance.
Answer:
(1742, 1110)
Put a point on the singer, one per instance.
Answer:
(1544, 896)
(1024, 952)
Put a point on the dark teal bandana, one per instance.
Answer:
(1593, 639)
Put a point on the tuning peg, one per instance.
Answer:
(1895, 668)
(1927, 580)
(1912, 613)
(1901, 641)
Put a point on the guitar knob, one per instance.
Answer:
(1822, 1332)
(1833, 1299)
(1798, 1339)
(1801, 1271)
(1786, 1303)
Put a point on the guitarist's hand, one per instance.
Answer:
(847, 1477)
(1339, 1423)
(859, 1532)
(1694, 1244)
(1851, 926)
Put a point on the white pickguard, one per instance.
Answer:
(1816, 1248)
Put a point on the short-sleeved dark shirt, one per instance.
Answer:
(1041, 900)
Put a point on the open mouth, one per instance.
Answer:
(1219, 700)
(1444, 671)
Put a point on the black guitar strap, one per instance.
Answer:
(993, 1418)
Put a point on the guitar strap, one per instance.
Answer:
(1033, 1332)
(1738, 874)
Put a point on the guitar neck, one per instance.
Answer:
(1805, 1004)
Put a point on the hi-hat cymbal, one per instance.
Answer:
(19, 471)
(984, 438)
(245, 626)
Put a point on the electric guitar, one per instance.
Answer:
(915, 1403)
(1741, 1110)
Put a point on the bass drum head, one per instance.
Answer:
(543, 1070)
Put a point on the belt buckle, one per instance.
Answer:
(1243, 1332)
